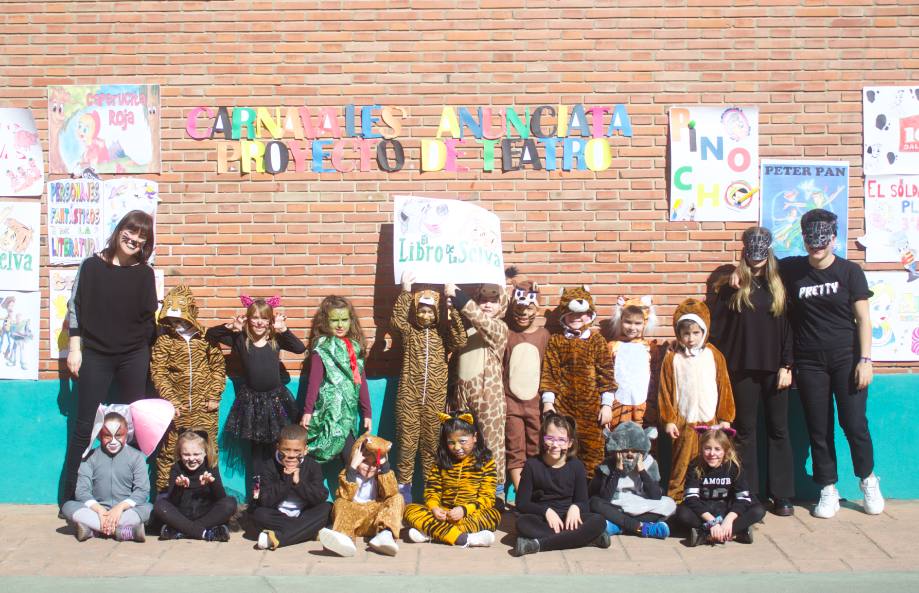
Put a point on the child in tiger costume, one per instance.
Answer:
(189, 372)
(459, 496)
(422, 393)
(577, 374)
(367, 503)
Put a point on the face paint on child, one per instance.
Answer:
(424, 314)
(524, 315)
(258, 325)
(713, 453)
(192, 455)
(555, 444)
(460, 444)
(577, 321)
(113, 436)
(340, 322)
(290, 453)
(629, 459)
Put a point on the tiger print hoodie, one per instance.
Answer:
(188, 371)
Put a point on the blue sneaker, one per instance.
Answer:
(612, 528)
(658, 530)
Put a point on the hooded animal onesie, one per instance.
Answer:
(695, 390)
(523, 356)
(577, 374)
(422, 393)
(363, 508)
(188, 371)
(636, 368)
(480, 368)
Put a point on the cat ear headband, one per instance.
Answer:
(703, 429)
(465, 417)
(270, 301)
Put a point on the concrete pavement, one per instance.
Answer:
(39, 553)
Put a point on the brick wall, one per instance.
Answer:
(305, 236)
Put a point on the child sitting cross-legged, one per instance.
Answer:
(367, 503)
(626, 487)
(292, 499)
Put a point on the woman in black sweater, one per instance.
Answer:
(750, 326)
(111, 324)
(552, 498)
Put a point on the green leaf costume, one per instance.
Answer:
(336, 412)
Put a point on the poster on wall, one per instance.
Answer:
(791, 188)
(446, 241)
(61, 286)
(892, 219)
(19, 241)
(19, 317)
(891, 130)
(124, 194)
(22, 172)
(74, 220)
(714, 163)
(61, 283)
(894, 317)
(112, 128)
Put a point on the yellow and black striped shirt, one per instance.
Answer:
(462, 486)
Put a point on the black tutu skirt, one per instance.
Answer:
(260, 415)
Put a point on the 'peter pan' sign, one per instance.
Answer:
(303, 139)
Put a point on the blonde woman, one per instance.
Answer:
(751, 329)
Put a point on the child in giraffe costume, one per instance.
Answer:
(189, 372)
(422, 393)
(480, 365)
(577, 374)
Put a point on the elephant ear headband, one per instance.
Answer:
(270, 301)
(465, 417)
(703, 429)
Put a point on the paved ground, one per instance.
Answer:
(852, 552)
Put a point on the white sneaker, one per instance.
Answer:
(874, 501)
(828, 505)
(337, 542)
(406, 491)
(262, 543)
(417, 537)
(480, 539)
(384, 543)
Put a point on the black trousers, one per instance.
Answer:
(749, 389)
(535, 527)
(821, 376)
(293, 530)
(170, 514)
(262, 456)
(97, 373)
(753, 514)
(613, 514)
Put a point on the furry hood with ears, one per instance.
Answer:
(179, 303)
(629, 435)
(693, 310)
(373, 445)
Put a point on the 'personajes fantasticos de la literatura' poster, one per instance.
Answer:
(714, 163)
(444, 241)
(111, 128)
(791, 188)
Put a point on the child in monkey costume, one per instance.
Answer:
(526, 347)
(695, 389)
(422, 393)
(636, 362)
(189, 372)
(577, 374)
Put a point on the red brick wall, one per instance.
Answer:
(305, 236)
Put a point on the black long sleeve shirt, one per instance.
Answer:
(261, 364)
(543, 487)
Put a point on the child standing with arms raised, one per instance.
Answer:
(263, 404)
(337, 390)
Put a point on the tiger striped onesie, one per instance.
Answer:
(460, 486)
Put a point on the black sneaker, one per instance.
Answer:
(696, 537)
(744, 536)
(525, 546)
(783, 507)
(221, 533)
(168, 532)
(602, 541)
